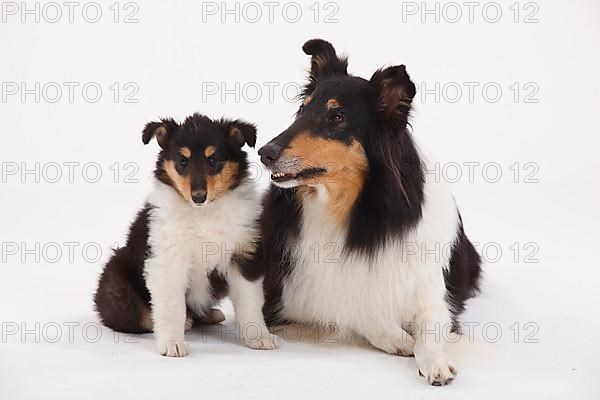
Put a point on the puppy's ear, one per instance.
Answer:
(324, 61)
(241, 133)
(395, 91)
(162, 130)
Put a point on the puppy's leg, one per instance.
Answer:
(119, 302)
(190, 320)
(200, 300)
(211, 317)
(395, 341)
(428, 329)
(167, 283)
(248, 298)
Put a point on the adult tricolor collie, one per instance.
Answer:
(351, 219)
(193, 242)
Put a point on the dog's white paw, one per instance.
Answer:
(173, 349)
(264, 342)
(437, 368)
(213, 316)
(189, 323)
(398, 343)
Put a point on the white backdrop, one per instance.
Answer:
(507, 104)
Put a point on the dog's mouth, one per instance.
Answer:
(278, 176)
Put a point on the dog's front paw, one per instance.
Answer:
(213, 316)
(397, 343)
(438, 369)
(172, 349)
(189, 323)
(264, 342)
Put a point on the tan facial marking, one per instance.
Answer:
(186, 152)
(182, 183)
(209, 151)
(332, 103)
(217, 185)
(345, 164)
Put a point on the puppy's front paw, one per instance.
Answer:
(397, 343)
(264, 342)
(213, 316)
(173, 349)
(438, 369)
(189, 323)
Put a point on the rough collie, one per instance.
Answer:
(193, 242)
(352, 228)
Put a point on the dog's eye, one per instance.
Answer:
(183, 162)
(212, 161)
(336, 117)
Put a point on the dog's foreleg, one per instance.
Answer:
(429, 329)
(395, 341)
(167, 283)
(247, 297)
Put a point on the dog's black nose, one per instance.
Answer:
(199, 196)
(269, 153)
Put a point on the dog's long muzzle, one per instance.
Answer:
(269, 153)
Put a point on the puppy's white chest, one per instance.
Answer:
(204, 237)
(206, 244)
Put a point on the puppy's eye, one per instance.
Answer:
(183, 162)
(336, 117)
(211, 161)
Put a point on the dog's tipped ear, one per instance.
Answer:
(241, 133)
(162, 130)
(324, 61)
(395, 90)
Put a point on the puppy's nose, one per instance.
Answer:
(199, 196)
(269, 153)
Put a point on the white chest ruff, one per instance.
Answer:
(198, 240)
(359, 294)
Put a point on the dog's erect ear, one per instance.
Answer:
(394, 89)
(323, 62)
(241, 133)
(162, 130)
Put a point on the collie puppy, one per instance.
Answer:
(355, 235)
(193, 242)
